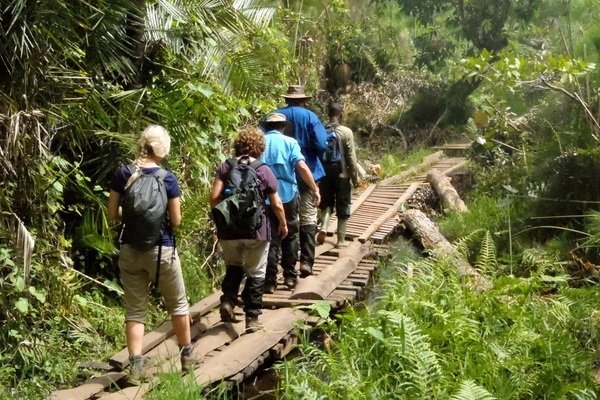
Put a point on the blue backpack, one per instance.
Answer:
(333, 152)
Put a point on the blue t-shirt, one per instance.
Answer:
(310, 134)
(120, 178)
(281, 154)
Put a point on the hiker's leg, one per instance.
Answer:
(343, 208)
(233, 256)
(291, 243)
(135, 279)
(256, 257)
(274, 249)
(172, 288)
(326, 190)
(308, 228)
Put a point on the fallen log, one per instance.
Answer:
(319, 287)
(431, 238)
(440, 183)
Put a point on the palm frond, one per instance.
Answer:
(24, 242)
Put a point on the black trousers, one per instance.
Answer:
(252, 294)
(288, 247)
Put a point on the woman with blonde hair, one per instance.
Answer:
(160, 262)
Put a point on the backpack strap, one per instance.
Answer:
(256, 163)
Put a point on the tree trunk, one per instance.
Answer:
(432, 239)
(450, 199)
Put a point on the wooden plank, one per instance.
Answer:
(130, 393)
(332, 228)
(243, 351)
(320, 286)
(388, 214)
(89, 388)
(157, 335)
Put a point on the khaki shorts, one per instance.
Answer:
(138, 270)
(250, 254)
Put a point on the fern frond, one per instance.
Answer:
(486, 260)
(469, 390)
(462, 244)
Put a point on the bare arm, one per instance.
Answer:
(277, 207)
(215, 193)
(114, 198)
(174, 206)
(307, 177)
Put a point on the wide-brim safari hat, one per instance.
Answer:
(273, 119)
(295, 92)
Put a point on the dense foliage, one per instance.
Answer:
(79, 80)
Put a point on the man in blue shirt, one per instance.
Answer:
(282, 154)
(310, 133)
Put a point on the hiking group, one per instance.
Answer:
(271, 202)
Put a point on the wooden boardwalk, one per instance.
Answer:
(340, 277)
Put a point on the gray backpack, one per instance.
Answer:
(144, 207)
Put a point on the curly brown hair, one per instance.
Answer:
(250, 141)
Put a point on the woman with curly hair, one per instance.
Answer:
(245, 250)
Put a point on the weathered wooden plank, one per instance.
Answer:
(130, 393)
(89, 388)
(160, 333)
(388, 214)
(332, 228)
(247, 348)
(320, 286)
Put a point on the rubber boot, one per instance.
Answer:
(324, 223)
(341, 233)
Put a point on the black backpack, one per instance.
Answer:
(240, 212)
(144, 207)
(332, 156)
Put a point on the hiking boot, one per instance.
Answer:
(305, 269)
(188, 361)
(226, 311)
(321, 236)
(290, 282)
(269, 288)
(253, 325)
(139, 368)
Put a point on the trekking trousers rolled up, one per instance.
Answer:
(307, 244)
(323, 224)
(308, 227)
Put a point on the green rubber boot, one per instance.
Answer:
(341, 233)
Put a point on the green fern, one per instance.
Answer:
(469, 390)
(421, 368)
(464, 243)
(486, 260)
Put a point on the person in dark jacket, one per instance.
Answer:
(310, 133)
(336, 187)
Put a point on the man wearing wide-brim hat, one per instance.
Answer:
(310, 133)
(282, 154)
